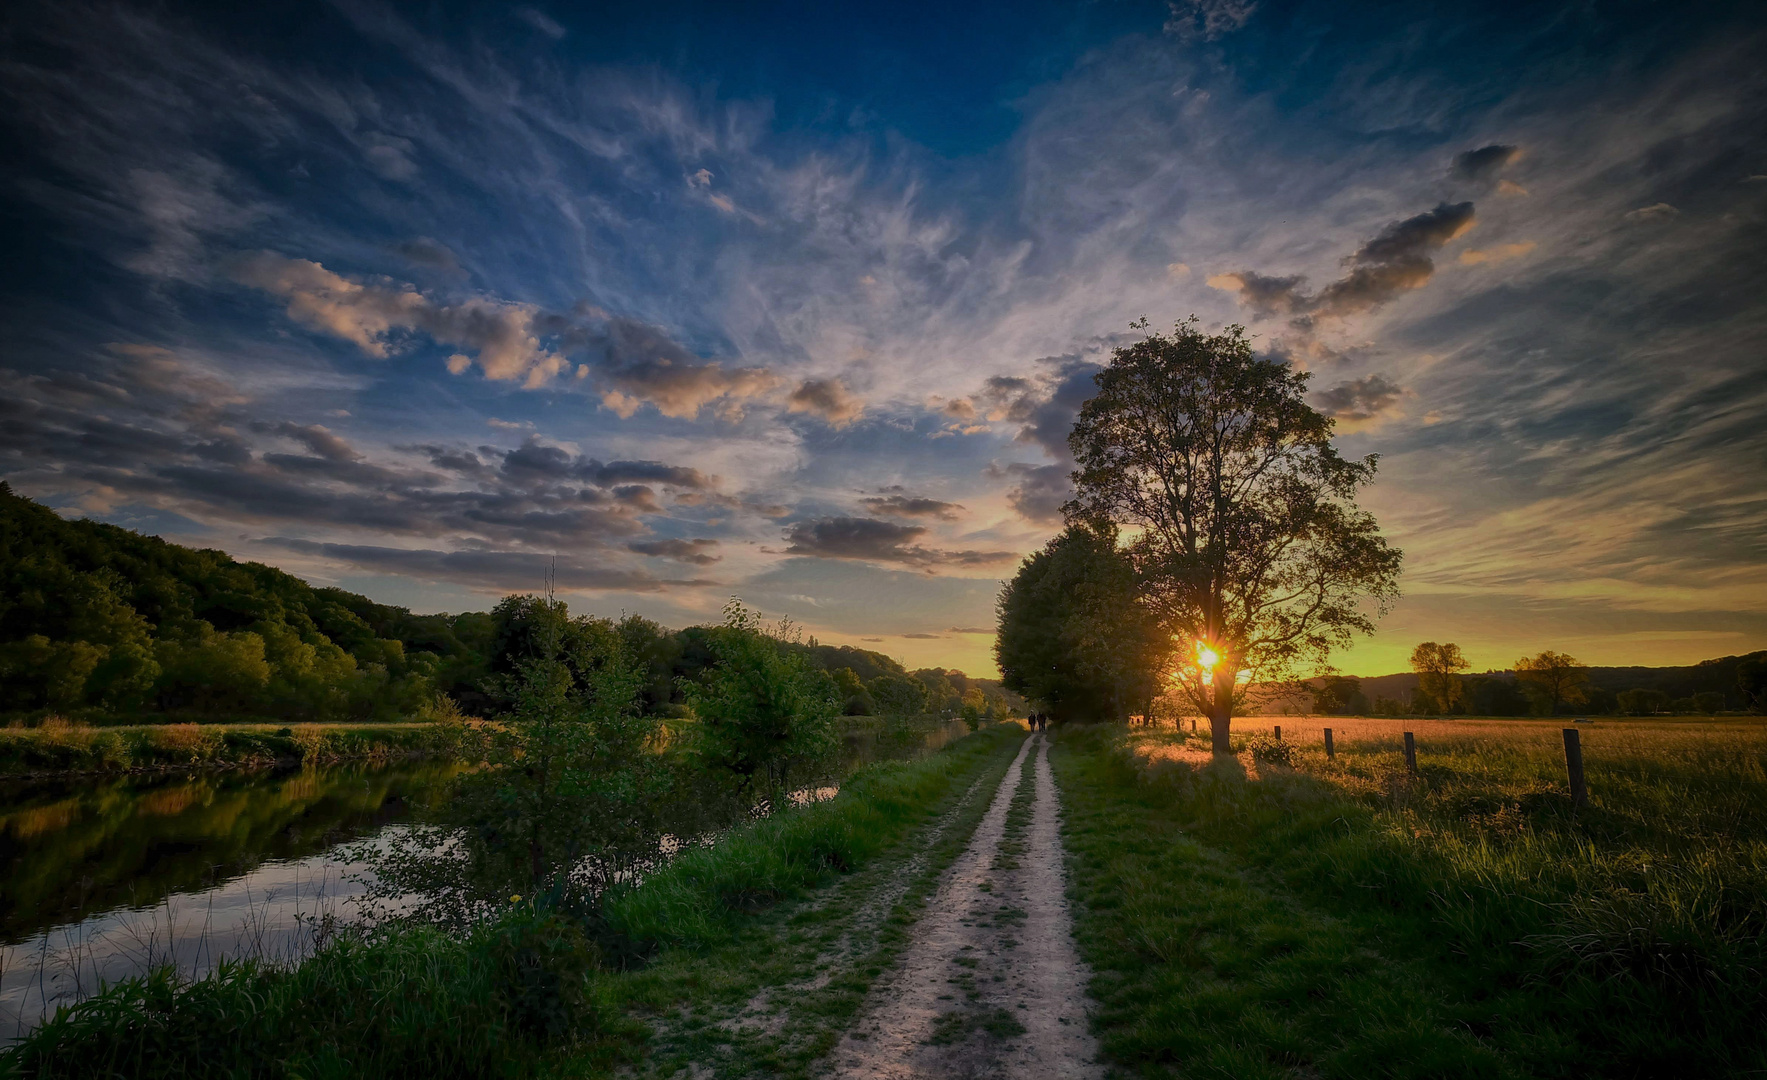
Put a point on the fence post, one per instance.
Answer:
(1330, 752)
(1278, 732)
(1574, 766)
(1410, 754)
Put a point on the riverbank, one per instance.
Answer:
(58, 748)
(528, 994)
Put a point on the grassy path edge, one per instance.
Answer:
(770, 993)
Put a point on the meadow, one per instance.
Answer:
(1280, 914)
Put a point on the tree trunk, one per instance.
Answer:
(1218, 720)
(1222, 714)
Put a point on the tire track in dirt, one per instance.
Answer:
(992, 984)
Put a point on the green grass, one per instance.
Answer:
(531, 997)
(1345, 919)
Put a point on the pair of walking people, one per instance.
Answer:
(1039, 722)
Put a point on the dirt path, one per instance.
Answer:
(992, 984)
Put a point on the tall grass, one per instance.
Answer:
(412, 1004)
(698, 897)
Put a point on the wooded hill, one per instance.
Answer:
(106, 623)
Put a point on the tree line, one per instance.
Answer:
(1549, 683)
(103, 623)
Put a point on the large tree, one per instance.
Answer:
(1073, 635)
(1247, 540)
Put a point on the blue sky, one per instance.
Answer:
(797, 302)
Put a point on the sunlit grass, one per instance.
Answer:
(1626, 934)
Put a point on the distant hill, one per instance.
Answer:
(1707, 676)
(97, 619)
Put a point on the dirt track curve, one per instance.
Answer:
(992, 985)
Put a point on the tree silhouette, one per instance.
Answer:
(1248, 543)
(1073, 634)
(1552, 679)
(1438, 669)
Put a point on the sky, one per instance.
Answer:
(796, 303)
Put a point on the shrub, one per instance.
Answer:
(1265, 748)
(541, 966)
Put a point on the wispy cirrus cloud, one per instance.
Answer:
(932, 316)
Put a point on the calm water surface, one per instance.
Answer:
(101, 879)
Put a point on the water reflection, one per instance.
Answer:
(102, 878)
(898, 741)
(80, 847)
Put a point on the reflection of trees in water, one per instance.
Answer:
(896, 740)
(71, 850)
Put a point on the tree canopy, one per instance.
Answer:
(1074, 635)
(1553, 680)
(1246, 539)
(1438, 668)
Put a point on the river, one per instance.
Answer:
(103, 878)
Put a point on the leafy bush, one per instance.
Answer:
(1265, 748)
(571, 794)
(766, 713)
